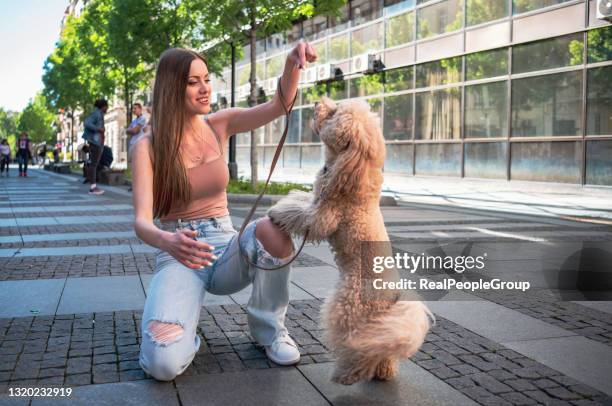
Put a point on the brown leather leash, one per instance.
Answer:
(276, 156)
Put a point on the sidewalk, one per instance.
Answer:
(590, 203)
(71, 300)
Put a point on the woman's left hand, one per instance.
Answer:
(303, 52)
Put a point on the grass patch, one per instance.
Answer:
(243, 186)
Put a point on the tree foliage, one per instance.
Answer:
(37, 120)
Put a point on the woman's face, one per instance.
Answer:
(197, 95)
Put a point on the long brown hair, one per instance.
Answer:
(170, 182)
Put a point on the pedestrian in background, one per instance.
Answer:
(136, 127)
(5, 157)
(24, 154)
(94, 135)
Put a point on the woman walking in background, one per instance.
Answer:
(5, 157)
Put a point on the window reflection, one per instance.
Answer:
(438, 114)
(486, 160)
(440, 72)
(312, 156)
(599, 44)
(599, 164)
(486, 110)
(363, 11)
(308, 134)
(398, 117)
(398, 158)
(546, 161)
(338, 90)
(339, 47)
(438, 159)
(366, 39)
(399, 79)
(548, 54)
(396, 6)
(522, 6)
(399, 29)
(439, 18)
(487, 64)
(599, 101)
(367, 85)
(339, 22)
(479, 11)
(547, 105)
(313, 93)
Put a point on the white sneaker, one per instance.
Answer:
(283, 350)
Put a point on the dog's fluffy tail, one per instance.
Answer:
(399, 332)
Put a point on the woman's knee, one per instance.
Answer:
(275, 241)
(164, 361)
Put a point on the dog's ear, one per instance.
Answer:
(324, 109)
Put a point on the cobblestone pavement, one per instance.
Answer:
(40, 242)
(84, 349)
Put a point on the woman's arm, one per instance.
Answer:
(142, 196)
(236, 120)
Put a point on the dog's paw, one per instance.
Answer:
(348, 379)
(386, 370)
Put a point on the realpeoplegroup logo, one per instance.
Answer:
(459, 264)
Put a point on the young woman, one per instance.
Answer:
(5, 157)
(180, 177)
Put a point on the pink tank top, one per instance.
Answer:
(208, 182)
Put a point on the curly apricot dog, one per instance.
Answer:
(369, 331)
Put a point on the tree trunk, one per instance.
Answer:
(72, 135)
(252, 97)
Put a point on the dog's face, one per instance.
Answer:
(354, 142)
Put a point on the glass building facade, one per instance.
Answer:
(502, 89)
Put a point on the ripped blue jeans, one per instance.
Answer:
(176, 294)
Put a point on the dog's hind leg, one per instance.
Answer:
(386, 369)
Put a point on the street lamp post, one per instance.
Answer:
(233, 166)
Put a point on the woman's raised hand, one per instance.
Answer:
(303, 52)
(189, 252)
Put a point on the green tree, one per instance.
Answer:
(37, 120)
(8, 126)
(246, 21)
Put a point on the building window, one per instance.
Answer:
(396, 6)
(339, 47)
(599, 44)
(275, 65)
(599, 164)
(486, 110)
(479, 11)
(481, 65)
(599, 101)
(313, 93)
(399, 79)
(308, 134)
(367, 85)
(363, 11)
(523, 6)
(438, 114)
(340, 22)
(321, 50)
(366, 39)
(338, 90)
(399, 29)
(546, 161)
(399, 158)
(312, 156)
(548, 54)
(442, 72)
(438, 159)
(486, 160)
(547, 105)
(398, 117)
(439, 18)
